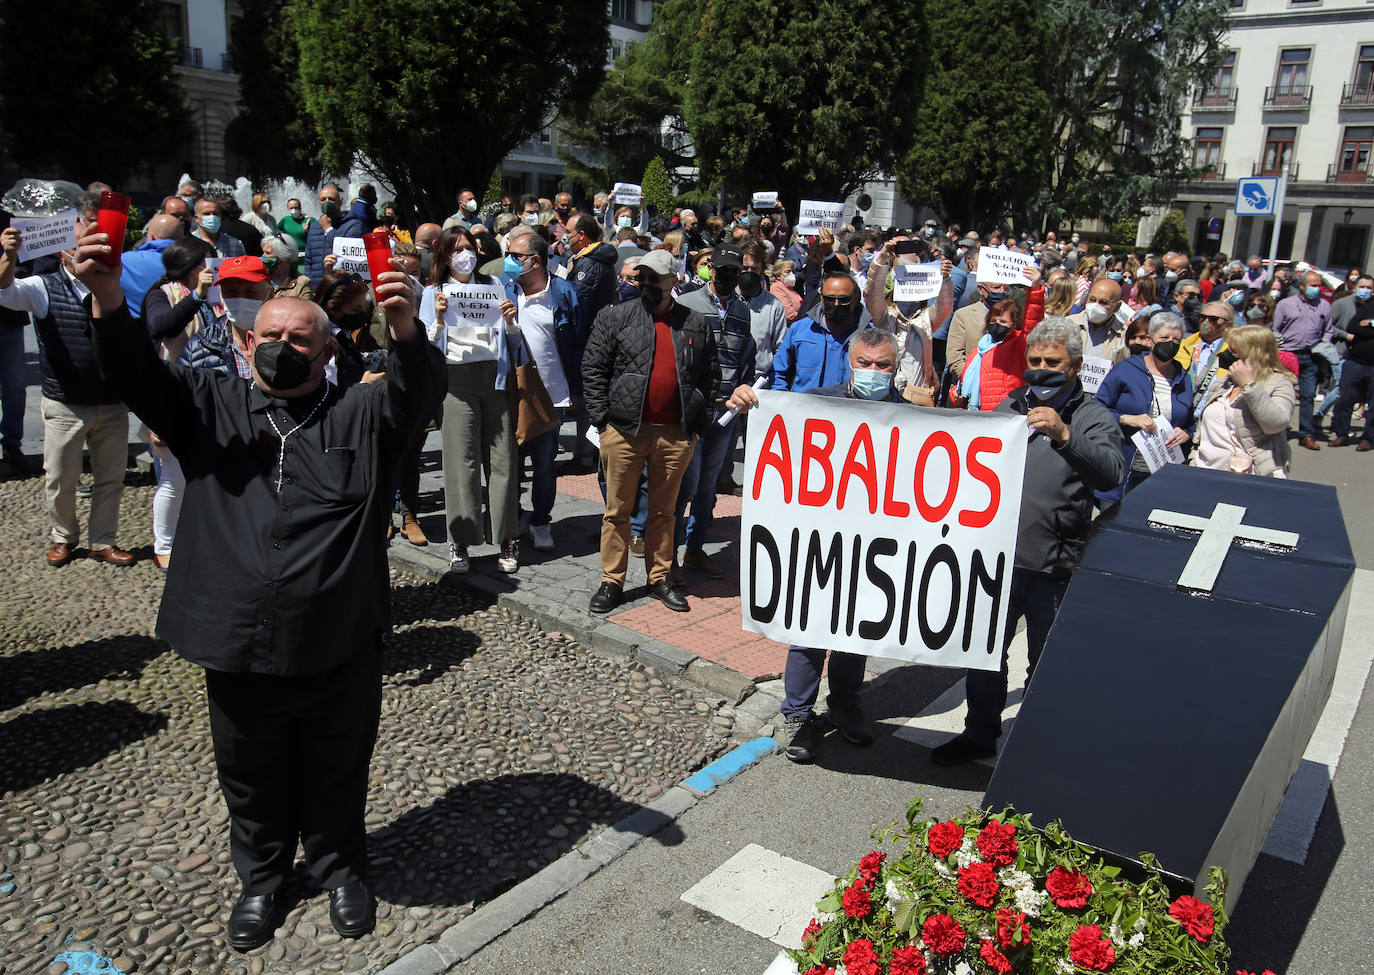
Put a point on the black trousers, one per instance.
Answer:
(293, 756)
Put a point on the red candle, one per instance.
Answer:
(378, 245)
(112, 218)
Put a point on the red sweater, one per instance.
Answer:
(1005, 363)
(663, 404)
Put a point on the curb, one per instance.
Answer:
(498, 916)
(597, 634)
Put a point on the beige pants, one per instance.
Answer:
(67, 429)
(665, 450)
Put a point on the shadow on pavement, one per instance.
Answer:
(485, 836)
(41, 745)
(27, 675)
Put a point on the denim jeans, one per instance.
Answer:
(699, 487)
(11, 385)
(801, 680)
(1334, 394)
(542, 452)
(1357, 387)
(1307, 391)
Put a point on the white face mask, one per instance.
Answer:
(790, 280)
(463, 262)
(1097, 313)
(265, 208)
(243, 311)
(470, 206)
(297, 213)
(531, 219)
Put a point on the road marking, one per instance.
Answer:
(763, 892)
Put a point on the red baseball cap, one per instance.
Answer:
(244, 268)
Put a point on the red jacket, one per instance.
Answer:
(1005, 363)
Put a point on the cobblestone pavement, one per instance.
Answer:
(500, 748)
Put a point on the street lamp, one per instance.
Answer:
(1206, 210)
(1348, 214)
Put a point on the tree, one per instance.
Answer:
(658, 189)
(1171, 234)
(1125, 231)
(980, 150)
(272, 132)
(1121, 71)
(430, 95)
(808, 98)
(105, 102)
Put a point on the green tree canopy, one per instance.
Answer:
(658, 189)
(980, 148)
(105, 102)
(1171, 234)
(432, 94)
(272, 132)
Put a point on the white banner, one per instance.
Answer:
(352, 256)
(1153, 448)
(998, 266)
(765, 200)
(627, 194)
(473, 310)
(916, 282)
(1095, 369)
(41, 236)
(881, 528)
(816, 214)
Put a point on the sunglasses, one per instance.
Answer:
(350, 280)
(1211, 318)
(841, 301)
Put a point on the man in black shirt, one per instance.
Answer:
(280, 586)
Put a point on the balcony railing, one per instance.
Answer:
(1363, 174)
(1258, 170)
(1214, 99)
(1215, 171)
(1288, 96)
(1356, 96)
(194, 57)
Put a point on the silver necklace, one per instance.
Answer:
(281, 449)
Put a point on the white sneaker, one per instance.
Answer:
(508, 561)
(458, 561)
(543, 538)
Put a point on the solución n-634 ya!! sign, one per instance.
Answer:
(881, 528)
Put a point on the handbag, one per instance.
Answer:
(531, 406)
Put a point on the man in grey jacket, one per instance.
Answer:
(1074, 449)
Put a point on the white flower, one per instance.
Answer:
(1114, 932)
(826, 918)
(943, 870)
(963, 968)
(1137, 939)
(1140, 924)
(894, 896)
(1029, 901)
(967, 854)
(1064, 965)
(1015, 879)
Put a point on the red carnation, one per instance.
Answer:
(998, 961)
(910, 960)
(860, 959)
(942, 934)
(1013, 930)
(944, 839)
(978, 882)
(1068, 889)
(868, 867)
(812, 932)
(856, 901)
(820, 970)
(1089, 949)
(997, 844)
(1194, 915)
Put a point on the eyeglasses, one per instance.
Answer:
(1211, 318)
(838, 301)
(350, 280)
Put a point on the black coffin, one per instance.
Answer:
(1166, 720)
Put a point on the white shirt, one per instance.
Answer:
(31, 294)
(534, 315)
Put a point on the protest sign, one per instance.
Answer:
(1095, 369)
(765, 200)
(40, 236)
(880, 528)
(916, 282)
(473, 310)
(352, 256)
(627, 194)
(998, 266)
(816, 214)
(1153, 448)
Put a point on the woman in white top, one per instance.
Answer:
(1243, 422)
(478, 430)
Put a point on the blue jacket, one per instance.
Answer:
(360, 219)
(1129, 390)
(318, 244)
(570, 328)
(142, 267)
(811, 355)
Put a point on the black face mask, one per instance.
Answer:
(1165, 351)
(352, 321)
(281, 365)
(1226, 359)
(750, 283)
(1052, 378)
(836, 316)
(331, 210)
(562, 212)
(726, 278)
(999, 331)
(1139, 348)
(1190, 305)
(651, 295)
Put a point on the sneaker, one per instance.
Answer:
(701, 562)
(509, 560)
(851, 723)
(543, 538)
(637, 546)
(960, 750)
(802, 736)
(458, 561)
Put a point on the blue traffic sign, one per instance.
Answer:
(1255, 196)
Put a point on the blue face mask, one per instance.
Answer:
(1313, 293)
(1363, 294)
(744, 221)
(622, 222)
(513, 266)
(871, 384)
(1114, 275)
(210, 222)
(994, 297)
(866, 260)
(1237, 298)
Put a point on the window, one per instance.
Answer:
(623, 10)
(1226, 75)
(1292, 77)
(1349, 246)
(1207, 149)
(1353, 165)
(617, 49)
(1278, 150)
(1364, 70)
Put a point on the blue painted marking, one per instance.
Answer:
(729, 765)
(6, 888)
(87, 963)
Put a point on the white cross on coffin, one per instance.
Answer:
(1218, 532)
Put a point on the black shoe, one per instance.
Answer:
(670, 595)
(802, 736)
(83, 489)
(605, 599)
(352, 909)
(254, 920)
(851, 723)
(960, 750)
(19, 465)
